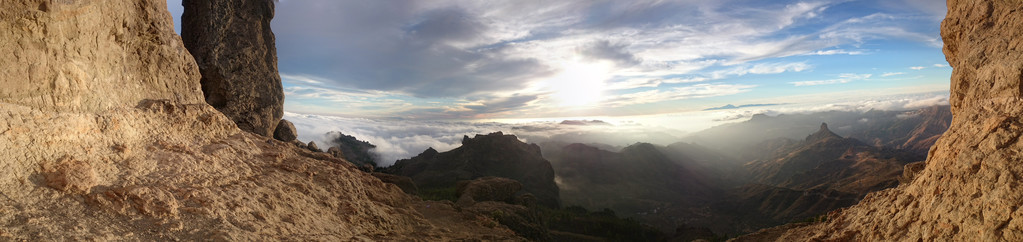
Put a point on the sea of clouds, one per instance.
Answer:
(397, 139)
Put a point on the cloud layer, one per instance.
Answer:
(399, 139)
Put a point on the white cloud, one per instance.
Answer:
(761, 68)
(892, 103)
(939, 65)
(678, 93)
(918, 68)
(843, 78)
(888, 74)
(836, 52)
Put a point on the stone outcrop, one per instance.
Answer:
(104, 135)
(313, 147)
(285, 131)
(494, 154)
(969, 188)
(234, 48)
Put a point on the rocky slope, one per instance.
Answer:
(234, 47)
(106, 136)
(640, 182)
(825, 160)
(969, 189)
(494, 154)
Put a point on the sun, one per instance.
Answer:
(580, 83)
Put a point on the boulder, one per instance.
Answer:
(234, 48)
(285, 131)
(312, 147)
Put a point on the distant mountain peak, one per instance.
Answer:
(823, 133)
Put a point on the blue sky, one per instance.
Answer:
(515, 59)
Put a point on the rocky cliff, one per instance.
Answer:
(105, 136)
(969, 189)
(234, 47)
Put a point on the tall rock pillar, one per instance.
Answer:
(234, 48)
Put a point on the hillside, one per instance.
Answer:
(913, 130)
(825, 160)
(493, 154)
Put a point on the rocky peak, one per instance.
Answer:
(494, 154)
(428, 153)
(822, 134)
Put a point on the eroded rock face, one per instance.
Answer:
(969, 189)
(110, 45)
(234, 47)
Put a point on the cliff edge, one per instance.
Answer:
(105, 135)
(970, 188)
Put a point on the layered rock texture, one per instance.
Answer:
(105, 136)
(234, 47)
(969, 189)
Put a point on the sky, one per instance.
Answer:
(659, 63)
(458, 60)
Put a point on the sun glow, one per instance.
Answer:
(580, 83)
